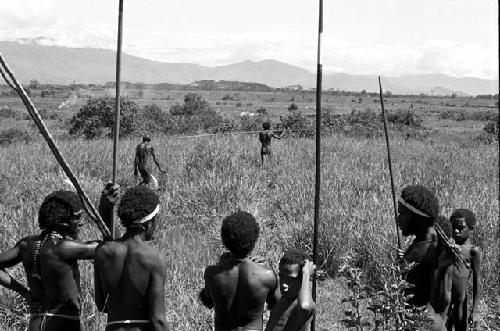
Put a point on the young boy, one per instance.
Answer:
(296, 307)
(130, 274)
(237, 287)
(457, 274)
(265, 137)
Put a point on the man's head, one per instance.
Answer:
(266, 125)
(290, 271)
(137, 210)
(146, 139)
(61, 211)
(463, 221)
(239, 233)
(417, 208)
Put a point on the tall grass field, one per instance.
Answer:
(210, 177)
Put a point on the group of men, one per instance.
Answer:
(130, 274)
(444, 258)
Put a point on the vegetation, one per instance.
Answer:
(210, 177)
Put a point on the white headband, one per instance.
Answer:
(148, 217)
(411, 208)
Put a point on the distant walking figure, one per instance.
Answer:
(265, 137)
(144, 155)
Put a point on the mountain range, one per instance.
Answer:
(65, 65)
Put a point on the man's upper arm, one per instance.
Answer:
(99, 296)
(205, 296)
(10, 257)
(156, 295)
(475, 253)
(72, 249)
(274, 293)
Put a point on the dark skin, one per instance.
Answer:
(144, 152)
(59, 287)
(22, 252)
(130, 275)
(296, 306)
(265, 137)
(423, 251)
(456, 277)
(237, 289)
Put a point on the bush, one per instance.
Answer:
(405, 118)
(298, 125)
(261, 111)
(11, 136)
(7, 112)
(193, 116)
(97, 118)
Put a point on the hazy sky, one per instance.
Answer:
(388, 37)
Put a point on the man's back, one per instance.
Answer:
(239, 290)
(144, 154)
(60, 277)
(124, 273)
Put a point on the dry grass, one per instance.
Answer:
(210, 177)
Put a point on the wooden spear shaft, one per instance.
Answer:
(116, 133)
(318, 158)
(390, 164)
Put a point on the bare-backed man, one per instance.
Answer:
(144, 156)
(237, 287)
(130, 274)
(51, 263)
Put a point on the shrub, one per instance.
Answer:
(7, 112)
(11, 136)
(193, 116)
(405, 118)
(97, 118)
(298, 125)
(261, 111)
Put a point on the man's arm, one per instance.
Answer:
(305, 303)
(156, 161)
(7, 281)
(109, 197)
(156, 295)
(475, 253)
(136, 162)
(274, 294)
(205, 297)
(77, 250)
(10, 257)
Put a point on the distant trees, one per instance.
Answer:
(97, 118)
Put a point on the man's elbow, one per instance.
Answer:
(307, 307)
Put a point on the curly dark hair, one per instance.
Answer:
(59, 207)
(137, 202)
(470, 218)
(239, 233)
(294, 256)
(266, 125)
(424, 200)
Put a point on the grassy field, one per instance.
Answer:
(210, 177)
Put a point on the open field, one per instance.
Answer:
(207, 178)
(210, 177)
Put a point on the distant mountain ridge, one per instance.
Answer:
(65, 65)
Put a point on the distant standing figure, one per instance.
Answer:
(265, 137)
(296, 307)
(237, 287)
(144, 156)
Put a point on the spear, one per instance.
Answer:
(390, 165)
(318, 155)
(116, 133)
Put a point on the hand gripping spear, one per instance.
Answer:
(390, 165)
(318, 154)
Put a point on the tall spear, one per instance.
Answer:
(116, 133)
(390, 164)
(318, 155)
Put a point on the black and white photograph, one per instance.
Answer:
(278, 165)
